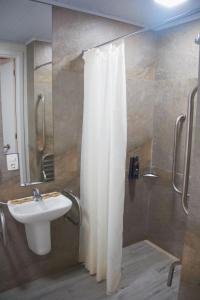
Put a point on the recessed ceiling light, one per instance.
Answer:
(170, 3)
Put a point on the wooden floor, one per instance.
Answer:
(145, 270)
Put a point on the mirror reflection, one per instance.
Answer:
(26, 93)
(39, 110)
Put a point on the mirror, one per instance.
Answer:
(39, 111)
(26, 90)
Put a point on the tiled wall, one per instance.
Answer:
(190, 277)
(73, 32)
(140, 70)
(176, 74)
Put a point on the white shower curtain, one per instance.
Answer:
(103, 156)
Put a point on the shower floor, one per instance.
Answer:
(144, 277)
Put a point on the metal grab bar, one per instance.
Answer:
(179, 120)
(171, 272)
(3, 225)
(41, 99)
(76, 201)
(188, 148)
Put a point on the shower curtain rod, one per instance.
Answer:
(154, 27)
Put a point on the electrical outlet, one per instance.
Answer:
(12, 161)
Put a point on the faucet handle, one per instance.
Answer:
(36, 194)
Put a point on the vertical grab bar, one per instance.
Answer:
(179, 120)
(41, 99)
(188, 148)
(3, 225)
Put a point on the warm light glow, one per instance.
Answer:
(170, 3)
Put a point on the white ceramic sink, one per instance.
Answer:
(45, 210)
(36, 215)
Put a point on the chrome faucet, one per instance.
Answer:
(36, 195)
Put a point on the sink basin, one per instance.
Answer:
(45, 210)
(36, 215)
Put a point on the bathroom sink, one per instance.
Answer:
(45, 210)
(36, 215)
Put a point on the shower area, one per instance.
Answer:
(161, 69)
(162, 76)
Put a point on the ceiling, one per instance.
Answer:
(25, 20)
(145, 13)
